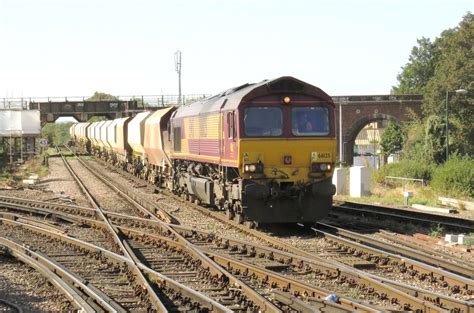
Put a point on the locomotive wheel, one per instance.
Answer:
(239, 218)
(230, 214)
(250, 224)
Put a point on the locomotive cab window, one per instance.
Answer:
(310, 121)
(263, 122)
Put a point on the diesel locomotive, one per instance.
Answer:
(262, 152)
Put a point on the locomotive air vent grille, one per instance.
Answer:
(286, 85)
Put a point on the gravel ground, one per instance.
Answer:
(57, 186)
(26, 288)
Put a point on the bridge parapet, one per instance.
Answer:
(368, 99)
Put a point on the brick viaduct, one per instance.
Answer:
(357, 111)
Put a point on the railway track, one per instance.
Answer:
(436, 284)
(252, 297)
(202, 270)
(284, 299)
(114, 282)
(427, 256)
(403, 215)
(236, 256)
(7, 306)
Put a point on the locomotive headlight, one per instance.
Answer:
(321, 167)
(253, 168)
(286, 100)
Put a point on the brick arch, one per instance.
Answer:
(358, 111)
(354, 130)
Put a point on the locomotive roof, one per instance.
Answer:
(231, 98)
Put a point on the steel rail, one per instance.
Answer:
(293, 286)
(276, 278)
(374, 246)
(424, 257)
(404, 293)
(144, 206)
(275, 242)
(355, 208)
(76, 210)
(123, 246)
(11, 305)
(252, 295)
(121, 261)
(68, 283)
(415, 298)
(462, 264)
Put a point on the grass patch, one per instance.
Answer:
(393, 195)
(436, 231)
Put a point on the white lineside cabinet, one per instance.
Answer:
(359, 181)
(339, 180)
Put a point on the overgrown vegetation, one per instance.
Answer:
(56, 133)
(455, 177)
(436, 231)
(101, 96)
(436, 69)
(406, 168)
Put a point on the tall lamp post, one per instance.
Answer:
(458, 92)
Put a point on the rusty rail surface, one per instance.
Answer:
(423, 256)
(440, 301)
(405, 215)
(381, 286)
(123, 246)
(82, 296)
(163, 283)
(162, 217)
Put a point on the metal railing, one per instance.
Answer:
(143, 100)
(405, 180)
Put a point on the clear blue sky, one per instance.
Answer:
(75, 47)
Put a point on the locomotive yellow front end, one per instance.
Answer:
(287, 154)
(287, 180)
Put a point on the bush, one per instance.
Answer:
(455, 177)
(406, 168)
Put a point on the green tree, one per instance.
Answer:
(101, 96)
(392, 138)
(455, 70)
(56, 133)
(434, 69)
(419, 70)
(435, 139)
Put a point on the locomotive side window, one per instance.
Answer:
(177, 139)
(230, 125)
(263, 122)
(310, 121)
